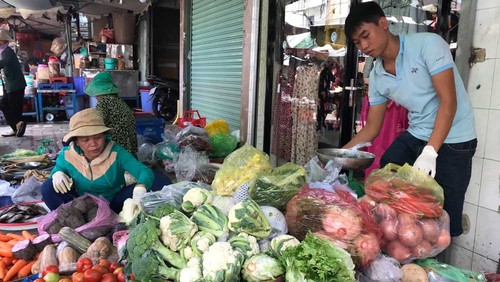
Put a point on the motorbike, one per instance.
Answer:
(165, 94)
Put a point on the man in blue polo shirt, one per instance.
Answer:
(418, 72)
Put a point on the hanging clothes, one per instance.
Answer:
(304, 111)
(326, 78)
(282, 113)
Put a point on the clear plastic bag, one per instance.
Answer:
(384, 269)
(166, 151)
(407, 237)
(205, 173)
(171, 194)
(335, 216)
(239, 167)
(327, 174)
(146, 153)
(276, 220)
(277, 187)
(170, 133)
(406, 189)
(191, 130)
(105, 217)
(442, 272)
(188, 163)
(29, 191)
(354, 151)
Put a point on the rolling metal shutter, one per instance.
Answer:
(216, 59)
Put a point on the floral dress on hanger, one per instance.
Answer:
(304, 111)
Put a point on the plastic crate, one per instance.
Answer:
(79, 83)
(46, 86)
(150, 127)
(192, 117)
(64, 86)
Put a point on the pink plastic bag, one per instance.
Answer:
(105, 217)
(336, 216)
(395, 123)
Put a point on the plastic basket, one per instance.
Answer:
(192, 117)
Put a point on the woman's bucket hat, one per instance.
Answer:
(86, 123)
(102, 84)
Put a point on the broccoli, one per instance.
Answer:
(150, 265)
(144, 237)
(163, 210)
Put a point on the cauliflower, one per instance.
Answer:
(201, 241)
(221, 261)
(192, 272)
(176, 230)
(245, 243)
(187, 253)
(194, 198)
(282, 242)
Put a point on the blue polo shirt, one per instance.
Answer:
(422, 55)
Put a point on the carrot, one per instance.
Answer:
(2, 269)
(4, 238)
(15, 236)
(8, 261)
(6, 252)
(12, 242)
(5, 245)
(14, 269)
(27, 235)
(26, 270)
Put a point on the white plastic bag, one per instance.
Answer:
(29, 191)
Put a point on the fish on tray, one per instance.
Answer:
(21, 213)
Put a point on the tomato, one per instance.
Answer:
(77, 277)
(118, 270)
(106, 263)
(39, 280)
(50, 269)
(121, 276)
(65, 279)
(100, 268)
(109, 277)
(92, 275)
(83, 264)
(113, 267)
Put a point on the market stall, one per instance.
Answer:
(244, 220)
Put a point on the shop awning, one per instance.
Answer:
(41, 15)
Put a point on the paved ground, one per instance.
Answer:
(34, 132)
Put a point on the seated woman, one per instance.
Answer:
(94, 164)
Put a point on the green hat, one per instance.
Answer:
(102, 84)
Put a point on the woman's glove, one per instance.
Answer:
(426, 162)
(61, 182)
(139, 191)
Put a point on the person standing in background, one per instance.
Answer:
(12, 101)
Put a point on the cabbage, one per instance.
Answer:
(261, 267)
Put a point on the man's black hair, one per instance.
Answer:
(367, 12)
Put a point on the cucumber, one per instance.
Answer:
(74, 239)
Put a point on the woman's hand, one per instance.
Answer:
(61, 182)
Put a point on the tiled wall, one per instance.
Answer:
(479, 247)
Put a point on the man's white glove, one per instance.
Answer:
(61, 182)
(139, 191)
(426, 162)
